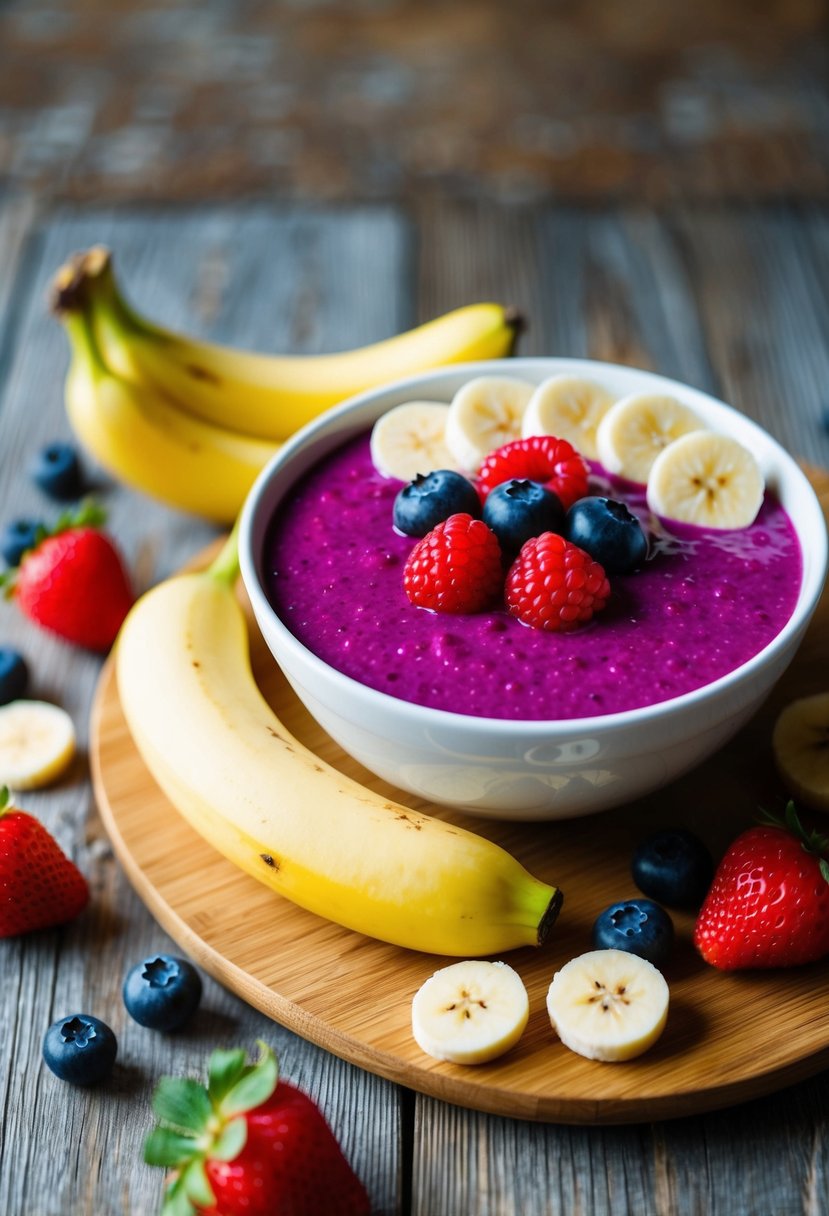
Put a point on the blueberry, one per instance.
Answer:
(14, 675)
(674, 867)
(637, 926)
(162, 992)
(431, 498)
(517, 509)
(57, 470)
(609, 532)
(17, 537)
(80, 1049)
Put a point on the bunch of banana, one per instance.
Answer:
(193, 423)
(254, 792)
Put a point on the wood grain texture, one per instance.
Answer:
(192, 268)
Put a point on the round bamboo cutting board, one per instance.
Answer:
(728, 1038)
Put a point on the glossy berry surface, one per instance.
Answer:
(57, 471)
(14, 675)
(455, 568)
(544, 458)
(162, 992)
(17, 538)
(80, 1049)
(609, 532)
(554, 585)
(431, 498)
(638, 926)
(673, 867)
(518, 509)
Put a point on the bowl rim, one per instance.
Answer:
(375, 701)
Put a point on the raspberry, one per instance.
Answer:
(553, 462)
(456, 567)
(554, 585)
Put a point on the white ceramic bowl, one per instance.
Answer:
(528, 770)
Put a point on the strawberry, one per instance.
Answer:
(39, 885)
(73, 582)
(248, 1145)
(768, 905)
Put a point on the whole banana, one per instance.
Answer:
(146, 441)
(271, 396)
(251, 789)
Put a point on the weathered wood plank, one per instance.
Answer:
(686, 297)
(268, 278)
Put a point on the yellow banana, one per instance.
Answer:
(251, 789)
(271, 396)
(143, 439)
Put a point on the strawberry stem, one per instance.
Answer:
(810, 842)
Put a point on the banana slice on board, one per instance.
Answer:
(608, 1005)
(470, 1012)
(569, 407)
(409, 439)
(706, 479)
(485, 413)
(800, 743)
(636, 429)
(37, 743)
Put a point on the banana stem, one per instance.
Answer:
(225, 567)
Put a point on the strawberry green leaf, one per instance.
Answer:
(176, 1200)
(225, 1069)
(168, 1148)
(231, 1141)
(255, 1085)
(824, 869)
(183, 1103)
(196, 1186)
(5, 798)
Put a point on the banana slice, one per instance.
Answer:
(37, 742)
(486, 413)
(409, 439)
(706, 479)
(608, 1005)
(470, 1012)
(570, 408)
(800, 743)
(636, 429)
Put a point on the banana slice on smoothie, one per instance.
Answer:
(37, 743)
(485, 414)
(636, 429)
(706, 479)
(569, 407)
(470, 1012)
(800, 743)
(608, 1005)
(409, 439)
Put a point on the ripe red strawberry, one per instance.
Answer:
(73, 583)
(554, 585)
(456, 567)
(249, 1145)
(768, 905)
(39, 885)
(553, 462)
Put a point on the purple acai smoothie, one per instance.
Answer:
(703, 604)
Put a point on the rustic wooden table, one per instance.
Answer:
(732, 300)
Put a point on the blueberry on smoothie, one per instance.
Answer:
(80, 1049)
(637, 926)
(431, 498)
(162, 992)
(609, 532)
(518, 509)
(674, 867)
